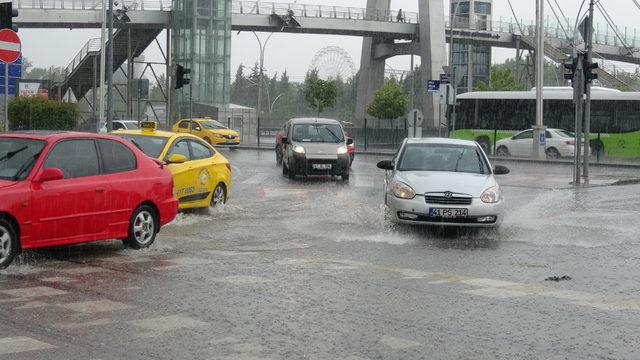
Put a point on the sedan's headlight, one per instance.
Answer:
(491, 195)
(342, 150)
(298, 149)
(403, 191)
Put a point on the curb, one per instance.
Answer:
(492, 158)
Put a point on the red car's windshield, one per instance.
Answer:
(17, 156)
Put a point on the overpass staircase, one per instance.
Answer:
(81, 75)
(559, 56)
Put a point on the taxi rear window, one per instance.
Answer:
(150, 145)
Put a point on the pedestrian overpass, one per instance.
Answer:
(147, 18)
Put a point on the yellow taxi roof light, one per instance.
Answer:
(148, 125)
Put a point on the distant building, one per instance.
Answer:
(472, 63)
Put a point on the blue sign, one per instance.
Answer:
(433, 86)
(542, 139)
(15, 73)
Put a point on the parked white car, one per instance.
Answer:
(558, 143)
(443, 182)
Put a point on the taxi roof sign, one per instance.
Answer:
(148, 125)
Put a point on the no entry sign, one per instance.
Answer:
(9, 46)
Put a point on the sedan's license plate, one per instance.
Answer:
(321, 166)
(448, 213)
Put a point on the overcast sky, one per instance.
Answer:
(295, 52)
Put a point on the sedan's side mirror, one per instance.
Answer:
(350, 141)
(501, 170)
(385, 165)
(49, 174)
(177, 159)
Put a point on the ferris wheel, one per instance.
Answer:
(332, 62)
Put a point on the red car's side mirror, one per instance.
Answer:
(49, 174)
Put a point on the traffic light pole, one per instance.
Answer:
(587, 107)
(110, 67)
(578, 99)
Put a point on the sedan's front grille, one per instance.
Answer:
(447, 199)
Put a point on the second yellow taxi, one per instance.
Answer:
(201, 175)
(209, 130)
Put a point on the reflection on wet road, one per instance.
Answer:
(309, 268)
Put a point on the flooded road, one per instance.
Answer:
(310, 269)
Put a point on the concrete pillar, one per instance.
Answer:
(371, 74)
(433, 54)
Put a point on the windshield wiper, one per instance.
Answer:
(458, 161)
(11, 154)
(334, 135)
(25, 166)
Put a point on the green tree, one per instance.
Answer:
(389, 102)
(319, 94)
(500, 80)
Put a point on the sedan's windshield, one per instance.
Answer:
(150, 145)
(132, 125)
(212, 125)
(565, 133)
(330, 133)
(442, 157)
(17, 157)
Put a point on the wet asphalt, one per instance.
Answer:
(309, 269)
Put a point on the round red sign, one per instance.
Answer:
(10, 46)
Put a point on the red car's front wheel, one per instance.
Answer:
(8, 243)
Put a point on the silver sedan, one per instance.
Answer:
(444, 182)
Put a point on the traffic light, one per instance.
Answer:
(181, 80)
(589, 75)
(7, 13)
(571, 69)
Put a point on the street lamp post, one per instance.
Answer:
(102, 61)
(452, 67)
(259, 107)
(110, 67)
(539, 129)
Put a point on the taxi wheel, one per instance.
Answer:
(8, 243)
(219, 196)
(143, 228)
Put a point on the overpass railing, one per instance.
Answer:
(603, 35)
(321, 11)
(92, 4)
(92, 46)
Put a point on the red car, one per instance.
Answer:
(59, 188)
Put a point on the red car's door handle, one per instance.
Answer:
(100, 189)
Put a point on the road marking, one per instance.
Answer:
(84, 270)
(258, 178)
(229, 253)
(58, 279)
(242, 280)
(363, 181)
(485, 287)
(498, 293)
(168, 323)
(80, 325)
(398, 343)
(32, 305)
(96, 306)
(32, 292)
(20, 344)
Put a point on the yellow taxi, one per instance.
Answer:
(209, 130)
(201, 175)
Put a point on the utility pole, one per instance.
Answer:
(539, 129)
(453, 68)
(110, 67)
(587, 108)
(101, 120)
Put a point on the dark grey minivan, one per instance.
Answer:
(315, 147)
